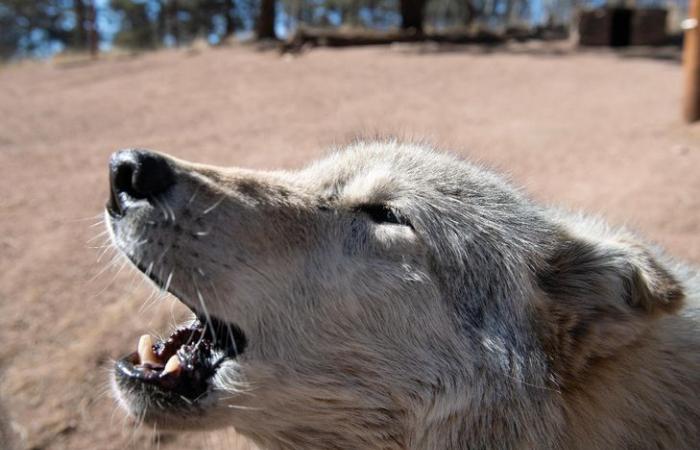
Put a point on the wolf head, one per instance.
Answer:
(384, 297)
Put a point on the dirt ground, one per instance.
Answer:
(592, 130)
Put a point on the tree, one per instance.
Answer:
(91, 28)
(470, 12)
(151, 23)
(81, 39)
(173, 20)
(32, 27)
(86, 34)
(137, 30)
(229, 10)
(412, 15)
(265, 25)
(208, 11)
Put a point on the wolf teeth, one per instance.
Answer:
(172, 366)
(145, 350)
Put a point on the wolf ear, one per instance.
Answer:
(600, 297)
(620, 276)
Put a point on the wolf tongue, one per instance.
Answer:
(145, 350)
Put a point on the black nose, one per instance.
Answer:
(138, 174)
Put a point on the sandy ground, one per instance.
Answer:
(590, 130)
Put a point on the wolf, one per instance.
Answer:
(392, 296)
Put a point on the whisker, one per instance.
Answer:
(166, 208)
(152, 299)
(204, 308)
(171, 211)
(228, 328)
(124, 264)
(141, 242)
(101, 234)
(202, 233)
(104, 252)
(149, 269)
(157, 435)
(162, 255)
(194, 195)
(244, 408)
(116, 257)
(161, 208)
(168, 280)
(85, 219)
(214, 206)
(105, 244)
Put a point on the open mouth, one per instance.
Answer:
(181, 366)
(186, 361)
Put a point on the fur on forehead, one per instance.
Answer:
(380, 185)
(392, 170)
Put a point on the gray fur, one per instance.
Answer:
(488, 322)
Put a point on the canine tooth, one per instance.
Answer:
(146, 354)
(173, 365)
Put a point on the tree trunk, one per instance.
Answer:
(412, 15)
(162, 22)
(80, 35)
(511, 12)
(354, 13)
(228, 14)
(174, 21)
(470, 13)
(91, 29)
(372, 7)
(265, 27)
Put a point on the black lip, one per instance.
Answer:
(190, 383)
(193, 348)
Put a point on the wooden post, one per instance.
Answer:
(691, 63)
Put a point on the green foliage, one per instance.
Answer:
(138, 30)
(28, 25)
(379, 14)
(150, 23)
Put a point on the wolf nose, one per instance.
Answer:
(139, 174)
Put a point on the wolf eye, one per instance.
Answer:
(382, 214)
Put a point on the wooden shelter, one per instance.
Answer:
(619, 26)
